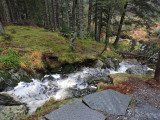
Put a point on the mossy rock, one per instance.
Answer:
(121, 77)
(12, 112)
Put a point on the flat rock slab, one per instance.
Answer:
(75, 111)
(108, 101)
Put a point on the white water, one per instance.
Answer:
(34, 94)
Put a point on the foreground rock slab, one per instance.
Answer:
(75, 111)
(108, 101)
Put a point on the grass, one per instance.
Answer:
(28, 41)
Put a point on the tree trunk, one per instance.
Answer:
(47, 14)
(121, 24)
(81, 14)
(1, 29)
(100, 26)
(89, 17)
(96, 9)
(109, 17)
(6, 11)
(69, 14)
(54, 14)
(57, 13)
(157, 72)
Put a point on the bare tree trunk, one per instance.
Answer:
(100, 26)
(47, 14)
(109, 17)
(81, 14)
(57, 13)
(121, 24)
(6, 11)
(54, 14)
(1, 29)
(96, 10)
(89, 17)
(157, 72)
(69, 14)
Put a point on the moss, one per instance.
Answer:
(132, 102)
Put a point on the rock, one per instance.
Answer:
(111, 63)
(6, 100)
(12, 112)
(132, 61)
(81, 93)
(12, 78)
(75, 111)
(108, 101)
(145, 112)
(98, 64)
(138, 69)
(95, 80)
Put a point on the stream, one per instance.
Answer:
(35, 93)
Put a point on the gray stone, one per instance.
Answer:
(109, 101)
(98, 64)
(111, 63)
(96, 80)
(75, 111)
(12, 112)
(6, 100)
(138, 69)
(145, 112)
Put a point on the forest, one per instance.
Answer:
(57, 52)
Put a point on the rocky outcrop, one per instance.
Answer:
(12, 112)
(108, 101)
(111, 63)
(6, 100)
(95, 80)
(98, 64)
(138, 69)
(11, 78)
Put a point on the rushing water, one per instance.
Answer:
(34, 94)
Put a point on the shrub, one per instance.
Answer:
(11, 60)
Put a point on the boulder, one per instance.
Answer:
(12, 112)
(138, 69)
(95, 80)
(81, 93)
(99, 64)
(7, 100)
(75, 111)
(111, 63)
(108, 101)
(12, 78)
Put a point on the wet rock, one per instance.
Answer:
(132, 61)
(7, 100)
(108, 101)
(111, 63)
(75, 111)
(95, 80)
(12, 78)
(138, 69)
(81, 93)
(12, 112)
(99, 64)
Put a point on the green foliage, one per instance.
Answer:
(157, 32)
(11, 60)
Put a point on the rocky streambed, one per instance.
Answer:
(77, 84)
